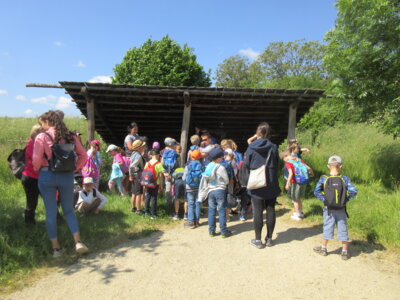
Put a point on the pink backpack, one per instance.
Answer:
(90, 169)
(125, 166)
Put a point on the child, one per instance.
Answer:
(117, 174)
(195, 140)
(151, 179)
(93, 163)
(334, 190)
(90, 199)
(135, 170)
(179, 192)
(170, 161)
(298, 178)
(215, 181)
(192, 177)
(229, 162)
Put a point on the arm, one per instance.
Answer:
(81, 154)
(224, 175)
(250, 140)
(350, 188)
(289, 180)
(319, 188)
(38, 152)
(102, 198)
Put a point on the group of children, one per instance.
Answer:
(212, 173)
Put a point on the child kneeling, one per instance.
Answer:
(90, 199)
(334, 190)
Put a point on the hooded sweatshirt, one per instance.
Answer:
(213, 178)
(256, 156)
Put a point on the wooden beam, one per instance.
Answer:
(292, 120)
(90, 109)
(185, 125)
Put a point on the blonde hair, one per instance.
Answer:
(195, 139)
(230, 143)
(35, 130)
(284, 153)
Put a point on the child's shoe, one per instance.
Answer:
(321, 250)
(191, 225)
(175, 217)
(81, 248)
(296, 217)
(56, 252)
(345, 255)
(242, 218)
(212, 234)
(185, 216)
(226, 234)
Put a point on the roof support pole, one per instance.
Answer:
(292, 120)
(185, 125)
(90, 113)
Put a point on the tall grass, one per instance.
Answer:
(371, 160)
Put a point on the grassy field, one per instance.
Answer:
(371, 160)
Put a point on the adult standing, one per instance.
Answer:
(263, 198)
(133, 135)
(29, 178)
(52, 181)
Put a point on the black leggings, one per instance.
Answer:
(32, 195)
(258, 209)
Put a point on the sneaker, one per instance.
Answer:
(302, 215)
(227, 233)
(189, 225)
(268, 242)
(345, 255)
(185, 217)
(56, 252)
(175, 217)
(133, 209)
(296, 217)
(212, 234)
(320, 250)
(139, 212)
(81, 248)
(242, 218)
(257, 244)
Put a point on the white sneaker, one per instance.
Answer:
(295, 217)
(81, 248)
(56, 252)
(302, 215)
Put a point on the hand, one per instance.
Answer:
(311, 172)
(287, 186)
(130, 178)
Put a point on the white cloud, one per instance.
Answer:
(58, 44)
(50, 99)
(29, 112)
(20, 98)
(3, 92)
(250, 53)
(63, 102)
(80, 64)
(100, 79)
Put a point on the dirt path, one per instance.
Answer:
(188, 264)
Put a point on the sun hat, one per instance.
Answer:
(111, 147)
(88, 180)
(195, 155)
(156, 145)
(334, 159)
(215, 153)
(137, 144)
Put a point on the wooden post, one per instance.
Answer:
(292, 120)
(90, 113)
(185, 125)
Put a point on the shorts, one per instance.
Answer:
(297, 191)
(137, 188)
(179, 189)
(335, 217)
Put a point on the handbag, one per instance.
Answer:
(258, 177)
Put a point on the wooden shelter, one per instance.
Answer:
(176, 111)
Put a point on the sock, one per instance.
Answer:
(323, 247)
(344, 251)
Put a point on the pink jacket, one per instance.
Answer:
(28, 170)
(43, 145)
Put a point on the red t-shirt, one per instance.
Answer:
(289, 166)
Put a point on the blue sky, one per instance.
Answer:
(51, 41)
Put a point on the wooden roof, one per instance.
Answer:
(226, 112)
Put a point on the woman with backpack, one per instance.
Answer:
(262, 152)
(56, 173)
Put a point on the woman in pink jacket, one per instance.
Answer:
(52, 181)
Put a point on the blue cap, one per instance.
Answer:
(216, 153)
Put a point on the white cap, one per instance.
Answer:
(111, 147)
(334, 159)
(88, 180)
(228, 151)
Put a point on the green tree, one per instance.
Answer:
(363, 55)
(163, 63)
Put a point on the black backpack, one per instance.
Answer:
(16, 162)
(63, 157)
(335, 192)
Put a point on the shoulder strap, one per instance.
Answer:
(51, 139)
(94, 192)
(268, 156)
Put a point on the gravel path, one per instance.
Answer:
(187, 264)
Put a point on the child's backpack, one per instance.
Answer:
(335, 192)
(16, 162)
(125, 165)
(194, 173)
(169, 159)
(90, 169)
(243, 174)
(238, 157)
(301, 175)
(149, 176)
(228, 168)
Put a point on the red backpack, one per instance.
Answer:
(149, 176)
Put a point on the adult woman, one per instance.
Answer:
(263, 198)
(30, 178)
(133, 135)
(50, 182)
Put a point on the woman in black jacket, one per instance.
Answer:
(263, 198)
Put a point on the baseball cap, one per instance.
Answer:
(196, 155)
(111, 147)
(88, 180)
(334, 159)
(215, 153)
(97, 142)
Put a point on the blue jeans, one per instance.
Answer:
(63, 182)
(193, 206)
(217, 201)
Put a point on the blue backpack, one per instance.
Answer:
(228, 168)
(238, 157)
(194, 173)
(301, 175)
(169, 158)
